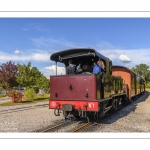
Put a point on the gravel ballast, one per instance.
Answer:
(28, 120)
(133, 118)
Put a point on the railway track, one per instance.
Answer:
(22, 108)
(83, 127)
(58, 125)
(64, 123)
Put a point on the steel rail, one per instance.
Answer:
(83, 127)
(56, 126)
(22, 109)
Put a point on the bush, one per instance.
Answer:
(148, 85)
(47, 90)
(1, 88)
(36, 89)
(2, 95)
(16, 95)
(30, 94)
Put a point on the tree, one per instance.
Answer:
(142, 70)
(31, 77)
(43, 82)
(27, 75)
(8, 73)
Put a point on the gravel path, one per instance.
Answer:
(27, 120)
(132, 118)
(5, 99)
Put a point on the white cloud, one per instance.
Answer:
(51, 70)
(35, 26)
(41, 56)
(35, 55)
(49, 42)
(117, 55)
(17, 51)
(111, 54)
(105, 45)
(124, 58)
(136, 56)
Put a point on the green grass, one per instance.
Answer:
(2, 95)
(9, 104)
(39, 98)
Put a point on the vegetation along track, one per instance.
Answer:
(22, 108)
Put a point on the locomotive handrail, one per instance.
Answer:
(119, 94)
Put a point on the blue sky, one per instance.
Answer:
(126, 41)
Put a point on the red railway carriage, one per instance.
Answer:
(133, 83)
(85, 94)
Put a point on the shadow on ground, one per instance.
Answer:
(131, 107)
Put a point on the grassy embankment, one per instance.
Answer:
(38, 98)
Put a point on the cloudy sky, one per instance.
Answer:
(126, 41)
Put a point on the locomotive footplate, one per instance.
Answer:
(67, 107)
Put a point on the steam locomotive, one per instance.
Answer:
(85, 94)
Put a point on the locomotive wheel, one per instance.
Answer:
(114, 104)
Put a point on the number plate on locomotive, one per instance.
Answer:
(67, 107)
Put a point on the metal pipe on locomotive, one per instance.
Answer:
(85, 94)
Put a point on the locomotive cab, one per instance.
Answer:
(82, 58)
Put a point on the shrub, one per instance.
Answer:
(30, 94)
(16, 95)
(148, 85)
(2, 95)
(47, 90)
(36, 89)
